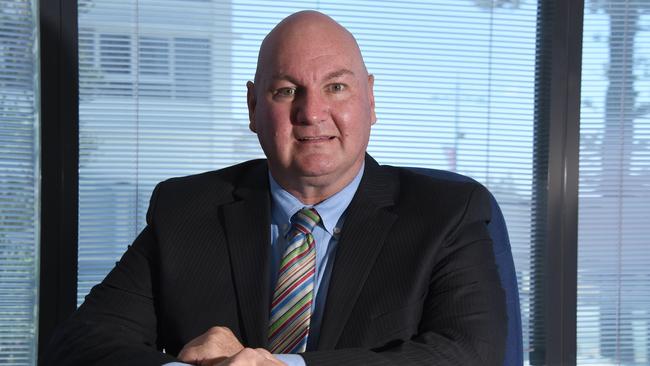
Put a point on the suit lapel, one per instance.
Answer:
(247, 222)
(367, 223)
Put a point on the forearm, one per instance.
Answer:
(117, 323)
(88, 343)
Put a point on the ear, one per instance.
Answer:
(371, 98)
(251, 101)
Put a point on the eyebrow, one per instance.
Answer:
(331, 75)
(338, 73)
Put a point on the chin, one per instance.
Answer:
(315, 172)
(316, 165)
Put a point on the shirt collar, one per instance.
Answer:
(284, 204)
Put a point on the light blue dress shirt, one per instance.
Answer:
(326, 235)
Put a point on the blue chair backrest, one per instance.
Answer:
(499, 233)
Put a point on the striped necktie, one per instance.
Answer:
(291, 306)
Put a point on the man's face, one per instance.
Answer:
(312, 109)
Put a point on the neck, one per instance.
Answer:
(313, 190)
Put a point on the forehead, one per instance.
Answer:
(300, 66)
(312, 54)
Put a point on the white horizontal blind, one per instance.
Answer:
(156, 100)
(18, 183)
(163, 94)
(614, 202)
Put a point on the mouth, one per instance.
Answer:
(315, 138)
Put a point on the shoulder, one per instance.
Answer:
(430, 190)
(209, 187)
(431, 182)
(228, 176)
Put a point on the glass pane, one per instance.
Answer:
(454, 90)
(614, 217)
(18, 183)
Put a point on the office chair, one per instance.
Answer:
(501, 245)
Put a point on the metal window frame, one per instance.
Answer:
(562, 206)
(59, 165)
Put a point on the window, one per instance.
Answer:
(166, 115)
(115, 53)
(18, 183)
(614, 226)
(454, 90)
(154, 56)
(192, 71)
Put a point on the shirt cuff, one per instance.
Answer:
(291, 359)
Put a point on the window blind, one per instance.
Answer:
(18, 182)
(613, 315)
(162, 93)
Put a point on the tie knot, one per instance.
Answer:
(305, 220)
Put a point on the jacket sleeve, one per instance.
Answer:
(116, 324)
(463, 320)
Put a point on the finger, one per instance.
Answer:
(188, 354)
(270, 359)
(264, 352)
(199, 356)
(215, 344)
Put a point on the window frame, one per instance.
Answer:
(59, 165)
(558, 137)
(557, 114)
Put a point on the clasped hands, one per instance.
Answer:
(218, 346)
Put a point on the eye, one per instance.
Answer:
(284, 92)
(336, 87)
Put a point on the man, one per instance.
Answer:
(316, 255)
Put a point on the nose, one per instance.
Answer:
(311, 108)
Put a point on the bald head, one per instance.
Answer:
(303, 30)
(311, 105)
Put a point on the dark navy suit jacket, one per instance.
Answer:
(414, 278)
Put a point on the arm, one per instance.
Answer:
(463, 320)
(117, 322)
